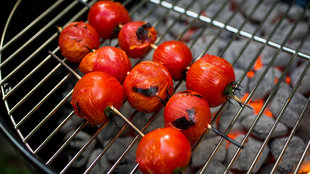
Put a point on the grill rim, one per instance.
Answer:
(45, 166)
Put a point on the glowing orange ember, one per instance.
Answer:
(257, 105)
(287, 80)
(305, 168)
(233, 135)
(250, 74)
(258, 64)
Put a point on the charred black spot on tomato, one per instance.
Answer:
(143, 31)
(149, 92)
(182, 123)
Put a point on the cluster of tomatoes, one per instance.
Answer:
(109, 79)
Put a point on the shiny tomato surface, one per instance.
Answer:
(189, 112)
(93, 93)
(175, 56)
(147, 86)
(107, 59)
(76, 40)
(136, 37)
(105, 16)
(210, 76)
(163, 151)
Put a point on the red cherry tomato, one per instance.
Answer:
(147, 85)
(189, 112)
(213, 78)
(136, 37)
(175, 56)
(93, 93)
(107, 59)
(76, 40)
(106, 15)
(163, 151)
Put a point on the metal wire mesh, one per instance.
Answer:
(36, 89)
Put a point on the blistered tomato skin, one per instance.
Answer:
(175, 56)
(93, 93)
(163, 151)
(76, 40)
(147, 86)
(209, 76)
(136, 37)
(107, 59)
(105, 16)
(188, 112)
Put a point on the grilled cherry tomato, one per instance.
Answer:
(189, 112)
(107, 59)
(163, 151)
(136, 37)
(76, 40)
(147, 86)
(105, 16)
(175, 56)
(93, 93)
(213, 77)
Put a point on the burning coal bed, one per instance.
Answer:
(250, 60)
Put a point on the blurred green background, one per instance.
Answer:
(10, 161)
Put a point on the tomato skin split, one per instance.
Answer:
(131, 43)
(93, 93)
(147, 85)
(188, 112)
(210, 75)
(76, 40)
(163, 151)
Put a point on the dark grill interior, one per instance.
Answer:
(36, 88)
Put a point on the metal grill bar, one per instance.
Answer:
(60, 15)
(82, 149)
(286, 104)
(292, 132)
(229, 28)
(267, 101)
(33, 23)
(240, 80)
(63, 146)
(303, 156)
(54, 132)
(48, 116)
(181, 12)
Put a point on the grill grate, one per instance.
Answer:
(36, 89)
